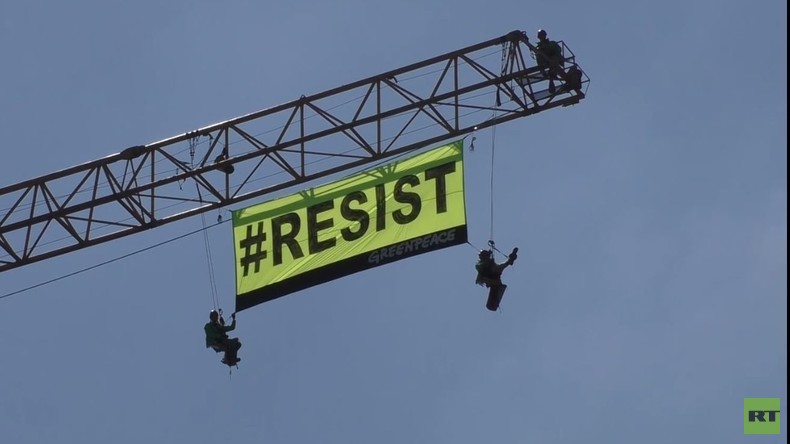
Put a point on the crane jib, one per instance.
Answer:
(406, 109)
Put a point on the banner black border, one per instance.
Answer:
(342, 268)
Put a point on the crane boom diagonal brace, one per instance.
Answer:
(406, 109)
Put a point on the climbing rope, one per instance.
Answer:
(493, 150)
(209, 260)
(192, 145)
(491, 185)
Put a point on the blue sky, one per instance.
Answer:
(649, 298)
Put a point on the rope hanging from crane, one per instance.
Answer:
(489, 272)
(206, 243)
(216, 331)
(503, 64)
(497, 104)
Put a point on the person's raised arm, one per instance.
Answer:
(232, 325)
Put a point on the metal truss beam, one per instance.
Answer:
(347, 127)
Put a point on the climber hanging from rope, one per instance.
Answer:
(217, 337)
(489, 274)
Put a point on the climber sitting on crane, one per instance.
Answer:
(551, 62)
(549, 57)
(549, 53)
(217, 337)
(489, 273)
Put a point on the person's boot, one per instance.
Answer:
(227, 359)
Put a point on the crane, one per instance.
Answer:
(146, 186)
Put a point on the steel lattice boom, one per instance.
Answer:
(406, 109)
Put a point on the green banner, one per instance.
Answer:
(371, 218)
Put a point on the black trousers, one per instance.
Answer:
(231, 347)
(495, 293)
